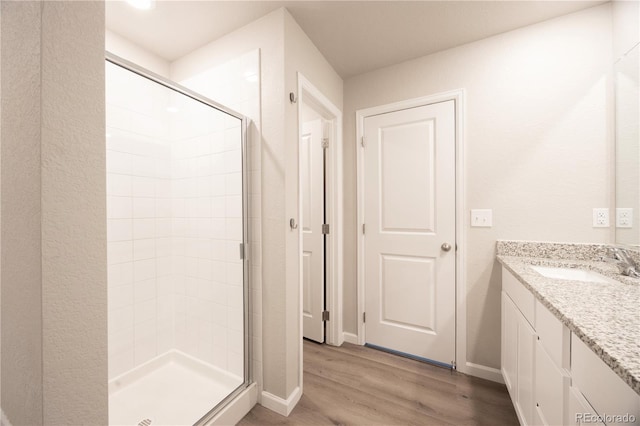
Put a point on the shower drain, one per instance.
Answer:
(145, 422)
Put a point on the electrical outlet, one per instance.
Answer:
(624, 218)
(482, 218)
(601, 218)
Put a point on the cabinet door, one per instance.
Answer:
(526, 350)
(509, 351)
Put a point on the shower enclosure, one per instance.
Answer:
(176, 231)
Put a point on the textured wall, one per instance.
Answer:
(21, 207)
(537, 146)
(53, 207)
(74, 270)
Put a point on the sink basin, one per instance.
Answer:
(572, 274)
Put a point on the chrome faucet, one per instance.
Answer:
(623, 261)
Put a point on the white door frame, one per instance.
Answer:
(461, 294)
(311, 96)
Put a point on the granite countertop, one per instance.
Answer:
(605, 316)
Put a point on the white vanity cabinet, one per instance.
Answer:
(518, 346)
(552, 376)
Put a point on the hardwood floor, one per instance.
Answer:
(354, 385)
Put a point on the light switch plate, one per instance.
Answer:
(482, 218)
(624, 218)
(601, 218)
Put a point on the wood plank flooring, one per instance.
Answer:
(354, 385)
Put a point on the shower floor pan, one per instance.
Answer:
(171, 389)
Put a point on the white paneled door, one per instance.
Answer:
(409, 241)
(312, 188)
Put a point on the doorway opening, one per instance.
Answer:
(315, 140)
(320, 213)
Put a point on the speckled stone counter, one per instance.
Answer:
(605, 316)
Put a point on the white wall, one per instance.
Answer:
(120, 46)
(54, 274)
(626, 26)
(626, 50)
(2, 415)
(537, 146)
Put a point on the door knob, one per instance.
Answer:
(445, 246)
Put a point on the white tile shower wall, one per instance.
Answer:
(175, 218)
(138, 220)
(207, 232)
(236, 84)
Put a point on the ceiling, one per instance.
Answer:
(354, 36)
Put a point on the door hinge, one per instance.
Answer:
(325, 315)
(363, 229)
(241, 251)
(325, 143)
(364, 317)
(325, 228)
(363, 142)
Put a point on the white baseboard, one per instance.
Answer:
(236, 409)
(279, 405)
(350, 338)
(4, 421)
(484, 372)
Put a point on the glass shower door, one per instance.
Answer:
(176, 222)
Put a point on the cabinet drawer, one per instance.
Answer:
(522, 297)
(550, 384)
(580, 411)
(554, 335)
(607, 393)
